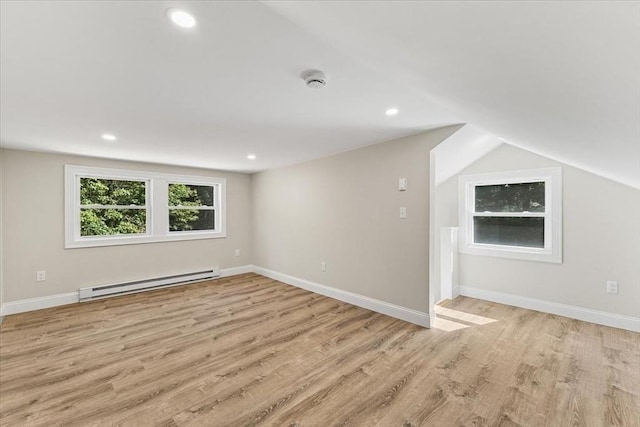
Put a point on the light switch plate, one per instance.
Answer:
(402, 184)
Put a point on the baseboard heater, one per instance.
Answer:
(97, 292)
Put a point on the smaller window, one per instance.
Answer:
(512, 214)
(191, 207)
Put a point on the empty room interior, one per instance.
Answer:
(319, 213)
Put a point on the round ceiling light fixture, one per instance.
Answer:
(181, 18)
(251, 156)
(391, 111)
(314, 79)
(108, 137)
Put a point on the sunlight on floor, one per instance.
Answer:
(446, 319)
(447, 325)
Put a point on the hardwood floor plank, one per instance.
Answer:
(250, 351)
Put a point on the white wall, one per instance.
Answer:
(601, 241)
(1, 234)
(444, 215)
(468, 144)
(33, 231)
(460, 150)
(343, 210)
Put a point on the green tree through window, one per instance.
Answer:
(107, 207)
(110, 207)
(199, 198)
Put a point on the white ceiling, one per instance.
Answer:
(561, 79)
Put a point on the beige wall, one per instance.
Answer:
(33, 231)
(601, 241)
(343, 210)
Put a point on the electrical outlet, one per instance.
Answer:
(323, 266)
(237, 252)
(403, 212)
(41, 276)
(612, 287)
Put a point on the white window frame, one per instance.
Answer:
(552, 250)
(214, 208)
(157, 203)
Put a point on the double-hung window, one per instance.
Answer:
(115, 207)
(112, 206)
(191, 207)
(514, 214)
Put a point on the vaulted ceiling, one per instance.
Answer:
(558, 78)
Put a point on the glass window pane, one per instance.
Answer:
(190, 195)
(509, 231)
(510, 197)
(107, 222)
(98, 191)
(191, 219)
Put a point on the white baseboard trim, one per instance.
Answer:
(39, 303)
(402, 313)
(629, 323)
(455, 291)
(232, 271)
(49, 301)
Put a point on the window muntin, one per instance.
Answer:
(114, 207)
(512, 214)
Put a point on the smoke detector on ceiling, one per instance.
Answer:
(314, 79)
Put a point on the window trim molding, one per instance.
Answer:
(215, 208)
(157, 206)
(552, 252)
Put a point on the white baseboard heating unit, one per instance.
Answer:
(104, 291)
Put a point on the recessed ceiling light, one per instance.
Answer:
(391, 112)
(108, 137)
(181, 18)
(251, 156)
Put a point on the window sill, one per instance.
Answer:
(512, 252)
(89, 242)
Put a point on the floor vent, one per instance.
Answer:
(88, 294)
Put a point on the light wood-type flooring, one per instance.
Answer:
(248, 351)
